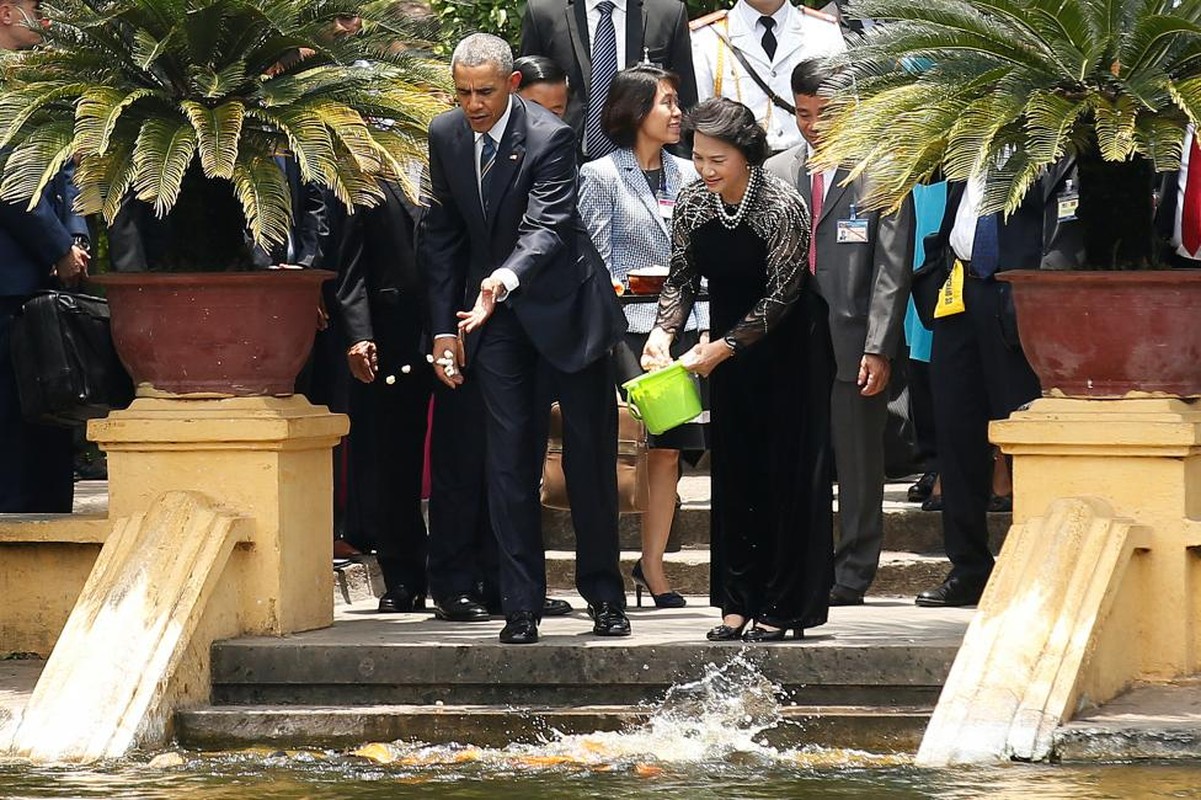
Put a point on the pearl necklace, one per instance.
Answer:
(732, 221)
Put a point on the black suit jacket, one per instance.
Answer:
(656, 29)
(380, 295)
(565, 302)
(1031, 238)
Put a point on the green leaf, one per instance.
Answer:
(162, 153)
(98, 113)
(35, 162)
(262, 189)
(217, 132)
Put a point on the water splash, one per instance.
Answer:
(717, 720)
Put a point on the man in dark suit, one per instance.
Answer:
(592, 40)
(978, 370)
(862, 264)
(380, 305)
(37, 248)
(503, 237)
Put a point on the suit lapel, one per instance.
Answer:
(509, 154)
(834, 193)
(792, 36)
(801, 177)
(462, 172)
(634, 38)
(577, 24)
(632, 177)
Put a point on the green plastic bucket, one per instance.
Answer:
(664, 398)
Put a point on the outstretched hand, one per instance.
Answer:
(485, 304)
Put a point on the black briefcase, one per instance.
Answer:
(66, 367)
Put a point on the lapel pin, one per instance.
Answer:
(512, 156)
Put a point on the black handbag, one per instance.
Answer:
(66, 367)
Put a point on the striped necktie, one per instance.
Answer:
(487, 159)
(604, 67)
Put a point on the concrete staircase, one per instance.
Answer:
(868, 679)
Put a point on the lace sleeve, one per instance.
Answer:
(683, 281)
(781, 219)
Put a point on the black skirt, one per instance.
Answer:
(624, 365)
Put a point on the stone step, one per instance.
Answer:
(886, 654)
(900, 575)
(906, 527)
(878, 730)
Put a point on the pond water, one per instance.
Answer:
(704, 740)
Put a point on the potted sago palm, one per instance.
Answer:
(194, 108)
(1003, 90)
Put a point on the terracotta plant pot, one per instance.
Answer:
(217, 334)
(1106, 334)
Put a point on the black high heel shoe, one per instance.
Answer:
(758, 635)
(726, 633)
(669, 599)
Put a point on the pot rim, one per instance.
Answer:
(1108, 277)
(210, 278)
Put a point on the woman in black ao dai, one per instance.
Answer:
(747, 232)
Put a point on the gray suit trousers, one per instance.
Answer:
(857, 430)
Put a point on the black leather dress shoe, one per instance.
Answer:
(460, 609)
(609, 620)
(842, 596)
(952, 592)
(919, 491)
(520, 628)
(553, 607)
(400, 601)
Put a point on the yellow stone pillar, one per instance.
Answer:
(1143, 457)
(1098, 584)
(265, 458)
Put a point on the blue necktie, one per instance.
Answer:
(604, 67)
(487, 159)
(986, 253)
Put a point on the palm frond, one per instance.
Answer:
(217, 133)
(35, 162)
(162, 153)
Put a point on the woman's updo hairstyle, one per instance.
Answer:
(732, 123)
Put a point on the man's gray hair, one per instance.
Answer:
(483, 48)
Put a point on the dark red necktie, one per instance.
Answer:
(1190, 213)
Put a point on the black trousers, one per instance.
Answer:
(921, 411)
(462, 549)
(36, 470)
(516, 383)
(978, 373)
(387, 455)
(325, 381)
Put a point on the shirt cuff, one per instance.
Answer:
(508, 279)
(446, 336)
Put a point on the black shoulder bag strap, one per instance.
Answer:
(779, 102)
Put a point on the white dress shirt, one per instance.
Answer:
(619, 27)
(963, 232)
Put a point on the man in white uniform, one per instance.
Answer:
(760, 42)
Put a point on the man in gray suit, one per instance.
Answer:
(862, 263)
